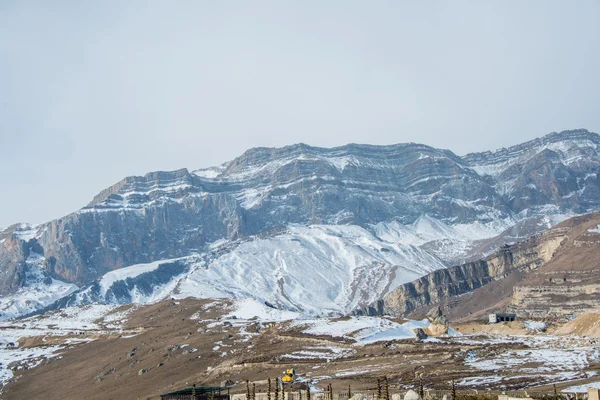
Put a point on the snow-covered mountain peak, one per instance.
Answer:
(376, 215)
(570, 146)
(23, 231)
(260, 160)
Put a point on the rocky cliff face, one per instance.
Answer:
(165, 215)
(549, 170)
(569, 283)
(434, 288)
(551, 275)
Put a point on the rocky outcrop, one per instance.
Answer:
(461, 279)
(545, 171)
(555, 301)
(436, 316)
(420, 333)
(552, 275)
(439, 323)
(436, 330)
(569, 284)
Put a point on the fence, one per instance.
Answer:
(428, 395)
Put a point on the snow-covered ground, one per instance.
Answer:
(318, 269)
(327, 353)
(39, 291)
(23, 358)
(363, 330)
(426, 229)
(159, 292)
(535, 326)
(73, 325)
(250, 309)
(595, 230)
(535, 359)
(545, 359)
(582, 388)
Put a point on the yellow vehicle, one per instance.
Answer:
(288, 375)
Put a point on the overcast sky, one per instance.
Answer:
(93, 91)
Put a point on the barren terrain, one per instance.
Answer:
(141, 352)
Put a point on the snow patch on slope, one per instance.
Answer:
(363, 330)
(38, 292)
(138, 284)
(128, 272)
(448, 242)
(497, 162)
(595, 230)
(67, 324)
(26, 232)
(211, 172)
(251, 308)
(317, 269)
(426, 229)
(582, 388)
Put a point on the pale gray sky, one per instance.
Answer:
(93, 91)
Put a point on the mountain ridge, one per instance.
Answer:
(266, 191)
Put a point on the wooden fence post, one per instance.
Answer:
(386, 388)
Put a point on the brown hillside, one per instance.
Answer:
(552, 275)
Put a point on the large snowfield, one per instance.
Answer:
(316, 270)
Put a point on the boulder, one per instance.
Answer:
(436, 316)
(412, 395)
(436, 329)
(420, 333)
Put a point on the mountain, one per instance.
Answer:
(305, 228)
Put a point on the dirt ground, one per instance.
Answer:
(504, 328)
(188, 342)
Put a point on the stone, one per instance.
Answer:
(412, 395)
(436, 330)
(434, 313)
(436, 316)
(420, 333)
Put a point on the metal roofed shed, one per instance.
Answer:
(505, 317)
(198, 393)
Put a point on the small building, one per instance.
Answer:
(506, 317)
(198, 393)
